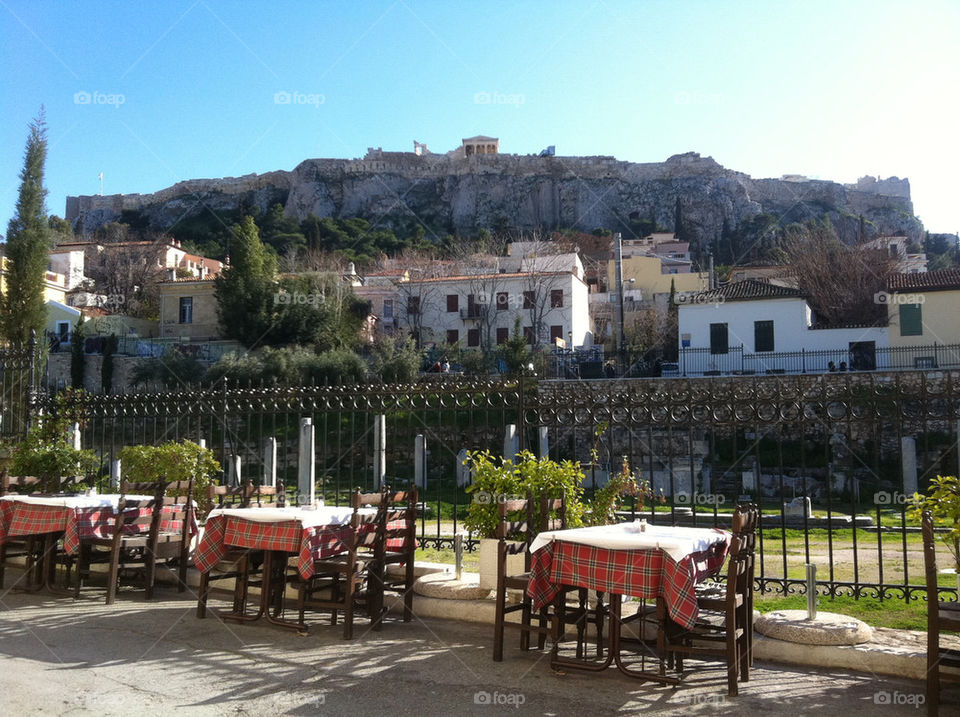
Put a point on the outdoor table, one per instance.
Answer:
(309, 533)
(71, 516)
(633, 559)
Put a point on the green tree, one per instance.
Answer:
(246, 290)
(516, 350)
(78, 356)
(28, 245)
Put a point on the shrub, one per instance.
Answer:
(173, 461)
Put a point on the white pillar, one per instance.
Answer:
(379, 449)
(270, 461)
(511, 443)
(544, 435)
(908, 457)
(236, 472)
(306, 464)
(420, 461)
(76, 436)
(115, 472)
(463, 471)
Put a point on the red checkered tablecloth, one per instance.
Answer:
(648, 573)
(22, 519)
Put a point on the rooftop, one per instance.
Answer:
(939, 280)
(752, 289)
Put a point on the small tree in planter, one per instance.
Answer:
(943, 502)
(173, 461)
(47, 452)
(500, 479)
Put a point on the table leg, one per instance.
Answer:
(615, 640)
(267, 590)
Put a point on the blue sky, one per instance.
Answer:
(154, 93)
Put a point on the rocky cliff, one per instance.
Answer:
(448, 194)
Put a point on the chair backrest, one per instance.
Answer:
(229, 496)
(745, 519)
(514, 535)
(15, 484)
(266, 496)
(365, 524)
(930, 567)
(139, 515)
(553, 513)
(738, 573)
(397, 522)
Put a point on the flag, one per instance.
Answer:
(101, 176)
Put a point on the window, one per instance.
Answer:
(718, 338)
(911, 320)
(528, 299)
(762, 336)
(502, 336)
(503, 300)
(473, 337)
(556, 332)
(186, 309)
(529, 335)
(388, 309)
(453, 303)
(63, 331)
(556, 298)
(452, 336)
(413, 304)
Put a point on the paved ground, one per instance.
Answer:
(64, 657)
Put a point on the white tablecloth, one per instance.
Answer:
(675, 541)
(308, 517)
(74, 501)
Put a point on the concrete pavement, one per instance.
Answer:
(64, 657)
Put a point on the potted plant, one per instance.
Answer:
(943, 502)
(47, 451)
(496, 479)
(608, 500)
(173, 461)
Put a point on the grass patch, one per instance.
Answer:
(471, 561)
(896, 614)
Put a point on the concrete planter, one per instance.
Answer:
(488, 563)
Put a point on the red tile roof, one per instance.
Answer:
(940, 280)
(751, 289)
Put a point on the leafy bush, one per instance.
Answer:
(174, 371)
(943, 502)
(173, 461)
(500, 479)
(289, 366)
(394, 359)
(47, 451)
(338, 367)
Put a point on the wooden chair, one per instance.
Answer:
(138, 539)
(234, 565)
(341, 577)
(941, 617)
(553, 516)
(507, 544)
(28, 547)
(727, 640)
(396, 523)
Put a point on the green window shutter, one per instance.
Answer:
(911, 320)
(718, 338)
(762, 336)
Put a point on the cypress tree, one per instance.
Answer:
(28, 245)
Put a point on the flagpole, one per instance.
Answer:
(101, 184)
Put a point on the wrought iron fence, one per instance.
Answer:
(853, 445)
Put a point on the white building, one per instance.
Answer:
(68, 262)
(748, 326)
(479, 310)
